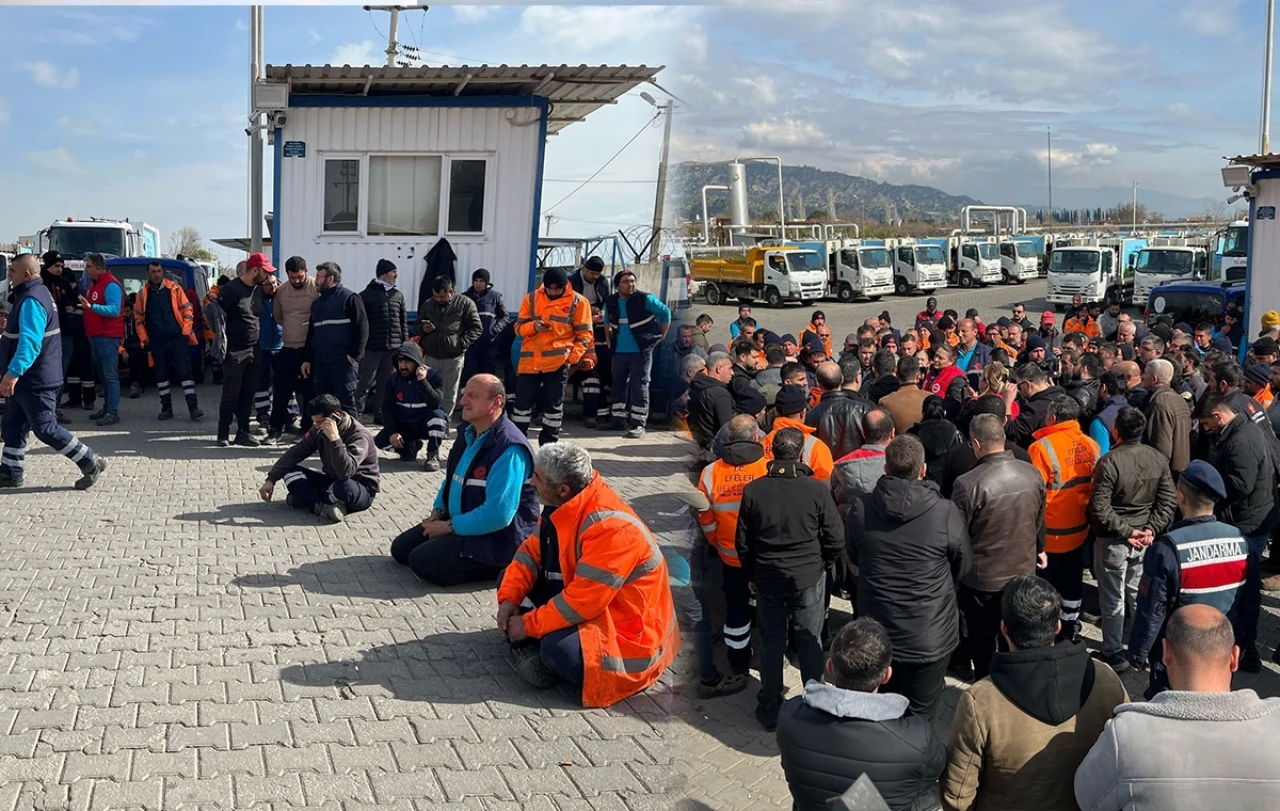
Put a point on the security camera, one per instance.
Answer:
(281, 119)
(1237, 197)
(248, 131)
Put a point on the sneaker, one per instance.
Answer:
(273, 437)
(63, 419)
(91, 475)
(9, 481)
(725, 685)
(97, 415)
(432, 464)
(195, 413)
(531, 669)
(1250, 661)
(246, 439)
(1116, 661)
(636, 432)
(165, 414)
(134, 391)
(110, 419)
(768, 720)
(333, 513)
(258, 430)
(224, 439)
(590, 422)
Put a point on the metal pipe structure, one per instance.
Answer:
(706, 223)
(996, 210)
(393, 48)
(1266, 80)
(782, 206)
(256, 57)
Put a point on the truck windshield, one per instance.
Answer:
(1026, 250)
(929, 255)
(1066, 260)
(989, 250)
(1236, 241)
(1185, 305)
(804, 260)
(75, 242)
(874, 258)
(1177, 263)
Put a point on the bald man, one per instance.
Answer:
(838, 414)
(1137, 395)
(1144, 757)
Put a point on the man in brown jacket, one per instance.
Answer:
(1168, 418)
(1019, 735)
(907, 403)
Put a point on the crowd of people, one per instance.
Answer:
(962, 477)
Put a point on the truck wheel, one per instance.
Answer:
(1059, 307)
(712, 294)
(900, 287)
(966, 280)
(1020, 281)
(845, 293)
(772, 298)
(875, 298)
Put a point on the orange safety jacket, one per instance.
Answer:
(811, 330)
(569, 338)
(816, 453)
(722, 484)
(616, 592)
(1264, 397)
(182, 311)
(1065, 457)
(1091, 329)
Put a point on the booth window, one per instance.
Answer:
(404, 195)
(466, 196)
(342, 195)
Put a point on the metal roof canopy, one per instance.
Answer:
(574, 92)
(1256, 161)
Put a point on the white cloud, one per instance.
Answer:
(139, 155)
(57, 159)
(90, 28)
(357, 54)
(242, 24)
(79, 125)
(314, 36)
(473, 14)
(1211, 18)
(583, 28)
(1101, 151)
(47, 74)
(4, 111)
(761, 86)
(783, 132)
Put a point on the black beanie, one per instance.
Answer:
(385, 266)
(481, 273)
(556, 277)
(791, 399)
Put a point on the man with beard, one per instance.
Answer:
(411, 409)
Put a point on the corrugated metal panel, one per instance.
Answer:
(505, 249)
(1264, 257)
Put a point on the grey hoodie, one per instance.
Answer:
(1185, 751)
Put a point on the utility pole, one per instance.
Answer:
(655, 243)
(1049, 133)
(1266, 80)
(1135, 205)
(256, 58)
(393, 47)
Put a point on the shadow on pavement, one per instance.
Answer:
(253, 514)
(376, 576)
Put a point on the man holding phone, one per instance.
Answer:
(555, 330)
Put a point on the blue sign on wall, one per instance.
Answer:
(1266, 212)
(295, 149)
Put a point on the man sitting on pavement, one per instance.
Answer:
(486, 506)
(348, 480)
(595, 586)
(412, 408)
(1198, 745)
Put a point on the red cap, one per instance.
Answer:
(259, 260)
(1048, 318)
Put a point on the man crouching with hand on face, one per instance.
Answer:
(348, 461)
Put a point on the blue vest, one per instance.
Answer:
(497, 548)
(487, 307)
(46, 372)
(331, 326)
(270, 334)
(1213, 561)
(643, 324)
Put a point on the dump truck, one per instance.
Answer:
(772, 273)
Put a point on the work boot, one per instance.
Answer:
(531, 668)
(195, 412)
(109, 419)
(7, 481)
(99, 414)
(333, 513)
(135, 391)
(166, 413)
(91, 474)
(432, 464)
(63, 419)
(590, 422)
(246, 439)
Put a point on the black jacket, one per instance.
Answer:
(493, 313)
(66, 293)
(397, 390)
(1031, 416)
(911, 547)
(1086, 394)
(881, 386)
(838, 418)
(788, 529)
(938, 438)
(741, 382)
(385, 312)
(440, 261)
(960, 460)
(710, 407)
(1242, 454)
(579, 286)
(829, 737)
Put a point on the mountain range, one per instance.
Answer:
(808, 191)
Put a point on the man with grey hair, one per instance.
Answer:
(1168, 418)
(692, 366)
(587, 598)
(485, 507)
(711, 403)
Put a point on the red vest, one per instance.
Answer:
(938, 385)
(101, 326)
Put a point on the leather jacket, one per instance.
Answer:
(838, 418)
(1002, 501)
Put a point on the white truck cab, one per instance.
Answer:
(974, 262)
(1019, 261)
(1157, 265)
(917, 266)
(856, 269)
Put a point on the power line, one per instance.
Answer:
(606, 163)
(579, 180)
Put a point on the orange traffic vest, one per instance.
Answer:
(1074, 325)
(1065, 457)
(569, 338)
(182, 311)
(722, 484)
(616, 593)
(1264, 396)
(816, 453)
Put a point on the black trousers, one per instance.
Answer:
(439, 560)
(739, 610)
(238, 383)
(545, 392)
(981, 610)
(920, 683)
(802, 611)
(1066, 573)
(288, 382)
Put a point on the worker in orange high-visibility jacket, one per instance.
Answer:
(556, 333)
(1065, 457)
(722, 481)
(791, 405)
(595, 585)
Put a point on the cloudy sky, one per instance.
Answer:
(957, 93)
(140, 112)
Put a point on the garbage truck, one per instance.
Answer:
(855, 268)
(73, 238)
(1094, 268)
(919, 266)
(773, 272)
(1019, 260)
(974, 262)
(1160, 263)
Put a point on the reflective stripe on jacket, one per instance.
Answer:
(616, 593)
(1065, 458)
(816, 454)
(182, 311)
(569, 338)
(722, 484)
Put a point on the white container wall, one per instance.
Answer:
(1264, 257)
(507, 138)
